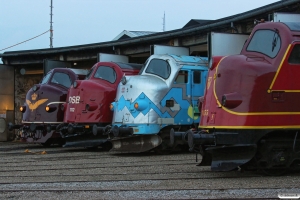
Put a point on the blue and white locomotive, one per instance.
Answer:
(162, 97)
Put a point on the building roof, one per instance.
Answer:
(197, 22)
(130, 34)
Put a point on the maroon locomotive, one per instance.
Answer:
(249, 113)
(37, 122)
(88, 105)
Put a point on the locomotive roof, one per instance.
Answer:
(190, 59)
(130, 65)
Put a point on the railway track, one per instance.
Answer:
(65, 173)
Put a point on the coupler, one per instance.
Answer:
(12, 126)
(117, 131)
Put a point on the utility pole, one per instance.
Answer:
(164, 22)
(51, 27)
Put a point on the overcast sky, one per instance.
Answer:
(77, 22)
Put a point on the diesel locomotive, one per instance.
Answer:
(249, 114)
(87, 105)
(43, 107)
(163, 96)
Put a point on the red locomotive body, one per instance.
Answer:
(89, 101)
(254, 90)
(249, 114)
(51, 92)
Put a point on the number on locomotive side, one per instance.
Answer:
(74, 99)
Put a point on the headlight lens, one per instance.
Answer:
(22, 109)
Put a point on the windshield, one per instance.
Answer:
(267, 42)
(46, 78)
(106, 73)
(61, 79)
(159, 67)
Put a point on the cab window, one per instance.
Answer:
(295, 55)
(160, 68)
(61, 79)
(106, 73)
(267, 42)
(46, 78)
(197, 77)
(182, 77)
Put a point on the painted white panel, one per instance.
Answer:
(224, 44)
(286, 17)
(103, 57)
(161, 49)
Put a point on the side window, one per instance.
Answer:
(267, 42)
(295, 55)
(182, 77)
(106, 73)
(197, 77)
(46, 78)
(61, 79)
(159, 67)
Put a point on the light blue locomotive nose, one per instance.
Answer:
(162, 97)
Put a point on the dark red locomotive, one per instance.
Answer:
(249, 114)
(88, 104)
(43, 109)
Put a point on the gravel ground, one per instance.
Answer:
(30, 171)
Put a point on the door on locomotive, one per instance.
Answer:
(89, 100)
(258, 128)
(161, 97)
(42, 108)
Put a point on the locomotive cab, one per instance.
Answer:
(249, 118)
(88, 103)
(43, 107)
(163, 96)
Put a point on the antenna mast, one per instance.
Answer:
(164, 22)
(51, 27)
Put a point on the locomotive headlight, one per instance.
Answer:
(123, 80)
(223, 100)
(136, 105)
(50, 108)
(112, 106)
(232, 100)
(62, 106)
(22, 109)
(35, 88)
(91, 106)
(140, 105)
(75, 84)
